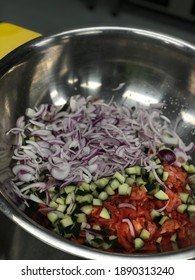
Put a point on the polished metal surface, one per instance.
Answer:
(133, 65)
(17, 244)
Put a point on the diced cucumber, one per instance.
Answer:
(102, 182)
(105, 214)
(114, 184)
(95, 193)
(51, 189)
(130, 170)
(182, 208)
(191, 208)
(53, 204)
(155, 214)
(66, 221)
(143, 171)
(119, 177)
(106, 245)
(86, 209)
(151, 188)
(79, 198)
(185, 167)
(61, 208)
(165, 176)
(69, 189)
(93, 186)
(161, 195)
(60, 200)
(97, 202)
(163, 220)
(151, 177)
(134, 170)
(188, 187)
(138, 170)
(157, 161)
(68, 198)
(124, 189)
(190, 200)
(97, 227)
(85, 186)
(81, 217)
(160, 171)
(130, 181)
(159, 239)
(191, 168)
(84, 198)
(138, 243)
(145, 234)
(67, 235)
(112, 237)
(52, 217)
(184, 197)
(95, 244)
(174, 237)
(103, 195)
(87, 198)
(140, 181)
(109, 190)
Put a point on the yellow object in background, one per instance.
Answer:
(12, 36)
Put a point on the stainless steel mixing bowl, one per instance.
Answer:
(133, 65)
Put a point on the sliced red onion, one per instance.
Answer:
(26, 177)
(31, 154)
(92, 139)
(181, 156)
(16, 130)
(163, 208)
(127, 205)
(30, 113)
(60, 173)
(40, 110)
(35, 198)
(44, 144)
(96, 231)
(189, 148)
(20, 123)
(165, 119)
(131, 227)
(92, 168)
(41, 132)
(38, 185)
(158, 179)
(167, 156)
(38, 124)
(169, 140)
(22, 167)
(72, 202)
(109, 142)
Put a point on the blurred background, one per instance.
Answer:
(173, 17)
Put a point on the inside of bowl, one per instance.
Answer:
(132, 66)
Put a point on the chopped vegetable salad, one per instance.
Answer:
(106, 175)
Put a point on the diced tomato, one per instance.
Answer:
(138, 193)
(138, 224)
(140, 215)
(170, 226)
(124, 236)
(152, 228)
(174, 200)
(177, 178)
